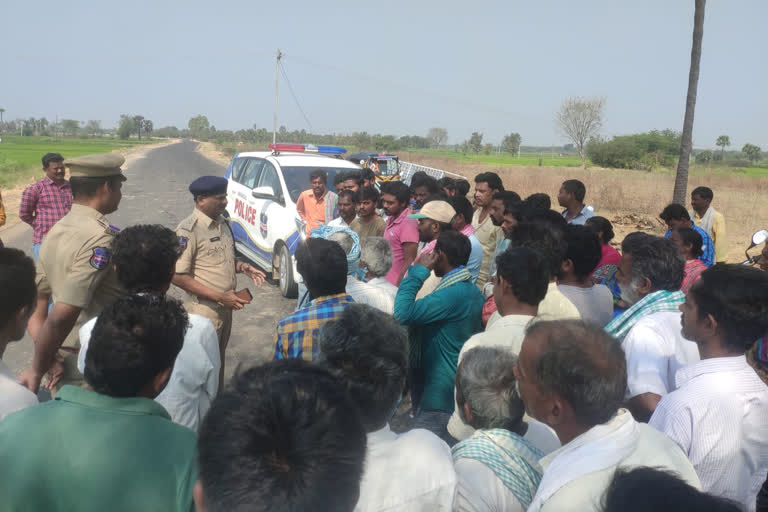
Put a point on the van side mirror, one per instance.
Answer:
(263, 193)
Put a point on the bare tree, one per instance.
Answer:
(579, 119)
(681, 179)
(437, 136)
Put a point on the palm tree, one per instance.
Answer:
(723, 141)
(681, 180)
(1, 118)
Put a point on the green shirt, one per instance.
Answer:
(445, 320)
(90, 452)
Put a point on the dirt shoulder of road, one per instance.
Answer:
(12, 196)
(209, 151)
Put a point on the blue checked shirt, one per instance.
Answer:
(296, 335)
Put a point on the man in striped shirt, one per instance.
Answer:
(47, 201)
(719, 413)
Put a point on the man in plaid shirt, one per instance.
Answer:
(47, 201)
(323, 265)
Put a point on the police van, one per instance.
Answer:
(262, 193)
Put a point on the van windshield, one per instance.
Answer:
(297, 178)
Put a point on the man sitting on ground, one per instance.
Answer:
(144, 259)
(650, 274)
(498, 467)
(18, 295)
(444, 320)
(549, 243)
(572, 376)
(519, 286)
(368, 223)
(375, 262)
(583, 253)
(323, 266)
(109, 446)
(719, 413)
(676, 216)
(367, 350)
(283, 436)
(571, 197)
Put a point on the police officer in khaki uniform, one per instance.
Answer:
(75, 269)
(207, 267)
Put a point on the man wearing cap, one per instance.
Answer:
(207, 267)
(435, 217)
(75, 269)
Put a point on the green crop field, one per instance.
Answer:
(547, 159)
(20, 156)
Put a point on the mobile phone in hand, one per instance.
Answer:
(245, 294)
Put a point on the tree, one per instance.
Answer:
(754, 153)
(199, 127)
(70, 127)
(148, 127)
(511, 143)
(139, 120)
(723, 141)
(680, 193)
(2, 111)
(580, 119)
(127, 126)
(704, 157)
(437, 136)
(476, 142)
(92, 128)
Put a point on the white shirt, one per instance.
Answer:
(655, 350)
(719, 417)
(577, 475)
(338, 222)
(377, 293)
(508, 332)
(408, 472)
(555, 306)
(13, 396)
(479, 489)
(194, 381)
(595, 304)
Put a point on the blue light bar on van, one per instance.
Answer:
(308, 148)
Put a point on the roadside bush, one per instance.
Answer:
(639, 151)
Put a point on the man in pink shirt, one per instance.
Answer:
(401, 232)
(44, 203)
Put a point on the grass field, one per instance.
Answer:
(20, 156)
(547, 159)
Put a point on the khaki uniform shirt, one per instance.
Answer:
(75, 265)
(209, 253)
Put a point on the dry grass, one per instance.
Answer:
(632, 200)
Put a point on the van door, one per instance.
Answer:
(244, 207)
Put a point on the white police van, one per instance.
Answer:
(262, 193)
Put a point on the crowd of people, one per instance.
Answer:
(445, 354)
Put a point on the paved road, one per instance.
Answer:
(156, 193)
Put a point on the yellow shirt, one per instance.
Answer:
(75, 265)
(717, 234)
(209, 254)
(487, 234)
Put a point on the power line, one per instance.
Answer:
(295, 99)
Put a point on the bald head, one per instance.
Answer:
(580, 364)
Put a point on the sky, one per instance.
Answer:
(395, 67)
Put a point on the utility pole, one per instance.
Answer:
(277, 82)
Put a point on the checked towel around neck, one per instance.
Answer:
(514, 460)
(656, 302)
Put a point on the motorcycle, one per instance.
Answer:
(757, 238)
